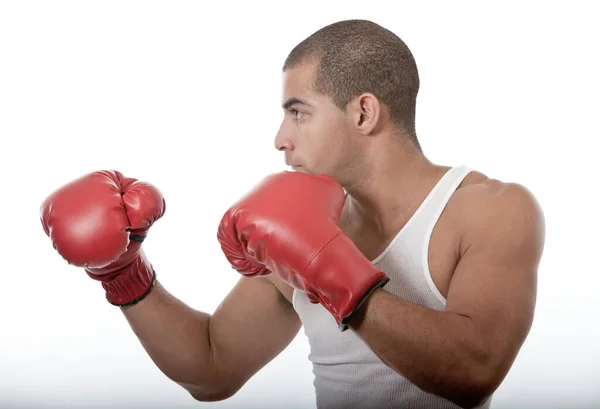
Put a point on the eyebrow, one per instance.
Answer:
(293, 101)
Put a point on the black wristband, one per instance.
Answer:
(344, 323)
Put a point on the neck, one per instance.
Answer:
(391, 190)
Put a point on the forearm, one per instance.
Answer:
(176, 337)
(437, 351)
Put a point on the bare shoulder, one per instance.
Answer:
(489, 210)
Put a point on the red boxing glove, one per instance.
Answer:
(289, 225)
(98, 222)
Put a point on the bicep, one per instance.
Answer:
(495, 281)
(252, 325)
(498, 297)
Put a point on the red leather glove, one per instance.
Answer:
(98, 222)
(289, 225)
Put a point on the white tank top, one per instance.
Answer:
(347, 373)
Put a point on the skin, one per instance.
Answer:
(213, 356)
(483, 257)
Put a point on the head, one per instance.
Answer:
(348, 89)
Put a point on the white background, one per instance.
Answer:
(187, 96)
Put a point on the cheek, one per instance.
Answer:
(321, 137)
(328, 148)
(320, 141)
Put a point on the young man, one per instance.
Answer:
(415, 282)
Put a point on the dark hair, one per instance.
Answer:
(357, 56)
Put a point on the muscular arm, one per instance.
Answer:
(464, 352)
(213, 356)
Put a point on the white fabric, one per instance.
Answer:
(347, 373)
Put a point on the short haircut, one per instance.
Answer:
(357, 56)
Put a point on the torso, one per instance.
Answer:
(445, 243)
(419, 246)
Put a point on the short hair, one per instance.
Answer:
(357, 56)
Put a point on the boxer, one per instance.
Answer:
(415, 282)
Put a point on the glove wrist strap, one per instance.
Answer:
(130, 286)
(136, 300)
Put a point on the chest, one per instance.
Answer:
(442, 248)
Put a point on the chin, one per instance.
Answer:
(300, 169)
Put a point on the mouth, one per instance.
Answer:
(294, 167)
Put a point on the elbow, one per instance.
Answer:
(476, 378)
(209, 384)
(211, 393)
(474, 389)
(465, 392)
(469, 384)
(471, 400)
(210, 390)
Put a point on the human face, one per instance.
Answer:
(314, 133)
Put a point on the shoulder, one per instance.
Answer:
(489, 210)
(477, 192)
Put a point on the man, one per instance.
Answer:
(415, 282)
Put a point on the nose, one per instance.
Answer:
(282, 141)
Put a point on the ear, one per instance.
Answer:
(365, 113)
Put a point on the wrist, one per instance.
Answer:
(357, 319)
(130, 285)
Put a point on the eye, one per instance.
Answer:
(297, 114)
